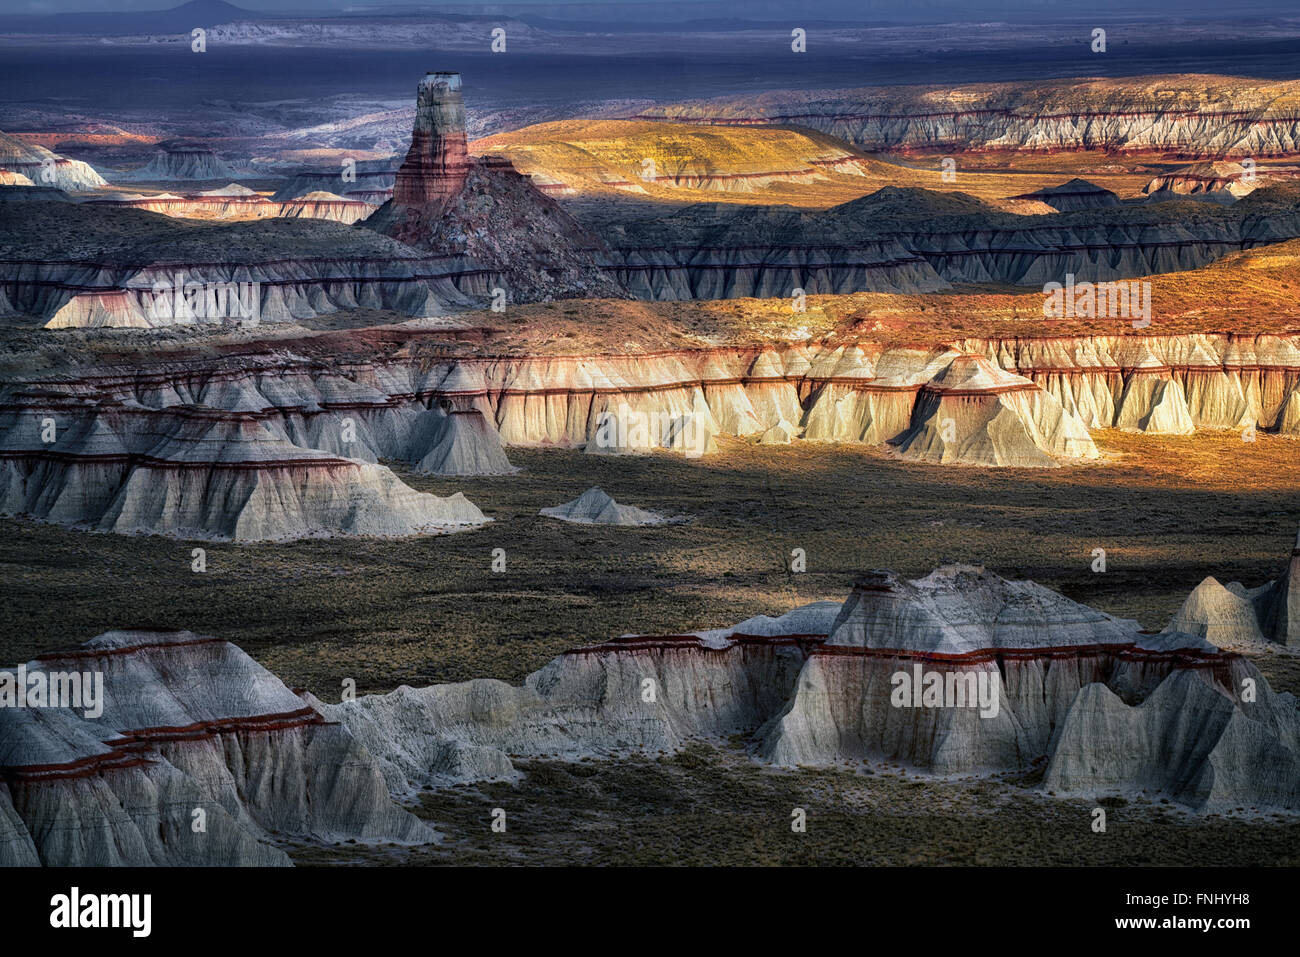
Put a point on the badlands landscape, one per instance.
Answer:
(497, 461)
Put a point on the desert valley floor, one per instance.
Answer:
(413, 435)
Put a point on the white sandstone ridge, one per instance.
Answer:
(46, 168)
(1183, 114)
(595, 507)
(192, 730)
(1233, 616)
(977, 401)
(199, 473)
(236, 202)
(1012, 675)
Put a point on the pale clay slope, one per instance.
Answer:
(1113, 711)
(595, 507)
(1018, 403)
(1232, 616)
(192, 472)
(188, 723)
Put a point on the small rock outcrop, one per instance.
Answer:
(974, 413)
(595, 507)
(44, 168)
(960, 672)
(1220, 179)
(182, 161)
(1233, 616)
(199, 473)
(1076, 194)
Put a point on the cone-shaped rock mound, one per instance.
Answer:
(595, 507)
(1235, 616)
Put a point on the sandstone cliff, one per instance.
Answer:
(1184, 114)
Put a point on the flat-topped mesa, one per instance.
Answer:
(438, 161)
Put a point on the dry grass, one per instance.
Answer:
(1168, 511)
(711, 806)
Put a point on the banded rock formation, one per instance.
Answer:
(85, 265)
(195, 472)
(914, 240)
(1219, 179)
(369, 181)
(189, 725)
(45, 168)
(1200, 116)
(981, 401)
(241, 203)
(577, 156)
(181, 162)
(1044, 679)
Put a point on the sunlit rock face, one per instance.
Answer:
(1043, 680)
(235, 202)
(200, 473)
(184, 728)
(1186, 115)
(1222, 180)
(44, 168)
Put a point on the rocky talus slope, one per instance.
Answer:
(199, 757)
(452, 204)
(1191, 115)
(960, 672)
